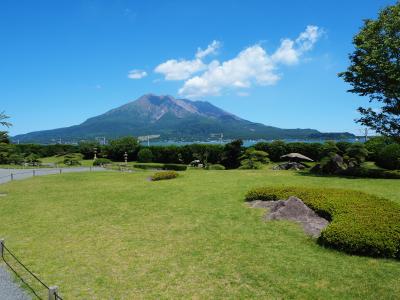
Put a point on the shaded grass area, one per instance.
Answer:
(117, 235)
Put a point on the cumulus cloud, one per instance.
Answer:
(252, 66)
(137, 74)
(180, 69)
(183, 69)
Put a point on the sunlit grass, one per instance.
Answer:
(119, 236)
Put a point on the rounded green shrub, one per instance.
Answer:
(361, 223)
(101, 162)
(164, 175)
(389, 157)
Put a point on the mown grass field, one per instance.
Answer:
(119, 236)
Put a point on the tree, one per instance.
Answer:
(4, 117)
(389, 157)
(253, 159)
(3, 134)
(87, 149)
(231, 154)
(117, 148)
(356, 153)
(145, 155)
(328, 148)
(4, 137)
(375, 71)
(375, 145)
(276, 150)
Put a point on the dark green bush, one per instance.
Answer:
(164, 175)
(389, 157)
(361, 224)
(215, 167)
(174, 167)
(101, 162)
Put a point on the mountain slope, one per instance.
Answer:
(170, 118)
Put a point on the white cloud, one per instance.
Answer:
(252, 66)
(211, 49)
(182, 69)
(137, 74)
(308, 38)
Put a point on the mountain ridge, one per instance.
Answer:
(178, 119)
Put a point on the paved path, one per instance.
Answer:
(7, 175)
(9, 290)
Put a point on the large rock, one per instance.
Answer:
(289, 166)
(295, 210)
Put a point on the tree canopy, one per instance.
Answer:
(3, 118)
(374, 71)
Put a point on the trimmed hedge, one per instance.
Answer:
(361, 223)
(173, 167)
(164, 175)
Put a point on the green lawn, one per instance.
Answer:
(119, 236)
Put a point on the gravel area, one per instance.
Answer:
(9, 290)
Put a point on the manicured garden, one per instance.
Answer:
(120, 235)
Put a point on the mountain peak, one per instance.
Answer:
(169, 117)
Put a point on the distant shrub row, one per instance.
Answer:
(164, 175)
(382, 150)
(360, 223)
(150, 166)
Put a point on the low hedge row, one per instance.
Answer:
(164, 175)
(361, 223)
(174, 167)
(371, 173)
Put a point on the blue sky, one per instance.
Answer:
(273, 62)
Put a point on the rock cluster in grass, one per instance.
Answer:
(295, 210)
(290, 166)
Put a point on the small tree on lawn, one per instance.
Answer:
(253, 159)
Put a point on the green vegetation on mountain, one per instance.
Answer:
(171, 119)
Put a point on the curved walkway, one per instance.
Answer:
(7, 175)
(9, 289)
